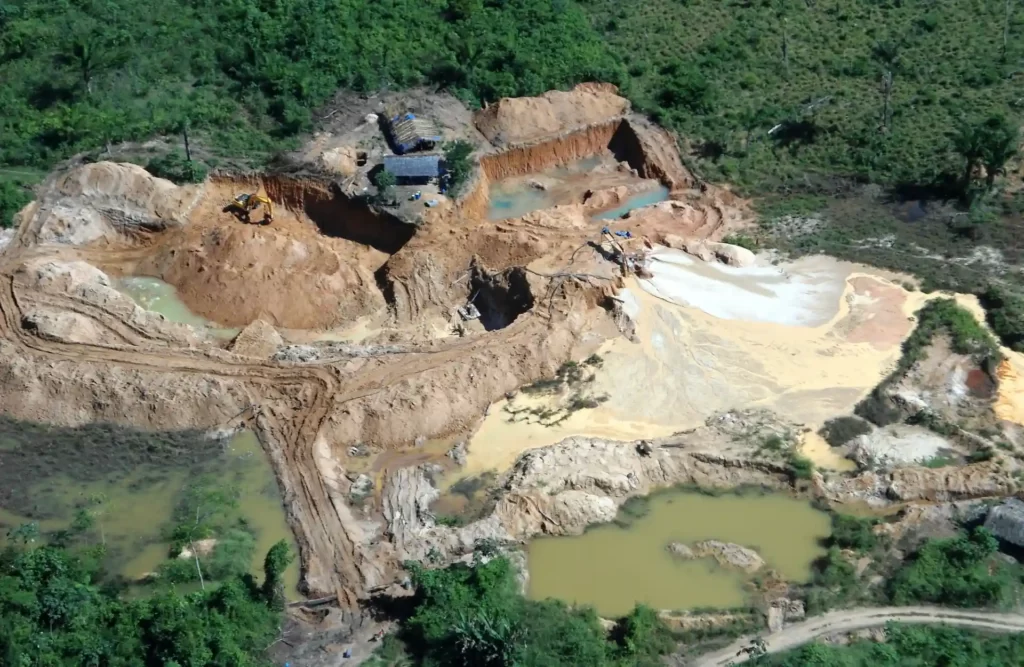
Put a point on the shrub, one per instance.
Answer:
(13, 197)
(850, 532)
(175, 167)
(1005, 314)
(800, 467)
(957, 571)
(839, 431)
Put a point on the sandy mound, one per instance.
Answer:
(64, 326)
(703, 220)
(234, 274)
(526, 119)
(259, 340)
(898, 445)
(107, 201)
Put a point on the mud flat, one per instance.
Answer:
(842, 335)
(805, 293)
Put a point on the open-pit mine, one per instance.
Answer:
(568, 332)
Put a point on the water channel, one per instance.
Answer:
(613, 567)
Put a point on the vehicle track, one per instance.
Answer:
(290, 403)
(852, 620)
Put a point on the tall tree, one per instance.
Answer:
(887, 53)
(991, 142)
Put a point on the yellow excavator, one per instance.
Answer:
(244, 204)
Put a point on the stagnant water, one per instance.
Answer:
(659, 194)
(161, 297)
(613, 568)
(135, 510)
(517, 196)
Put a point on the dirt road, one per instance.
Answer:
(851, 620)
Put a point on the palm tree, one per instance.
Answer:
(968, 143)
(991, 142)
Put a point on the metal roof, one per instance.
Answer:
(427, 165)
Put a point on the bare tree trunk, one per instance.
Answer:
(785, 44)
(886, 99)
(188, 150)
(195, 554)
(1006, 26)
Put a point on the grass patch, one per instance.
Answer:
(940, 461)
(945, 316)
(743, 241)
(799, 467)
(34, 454)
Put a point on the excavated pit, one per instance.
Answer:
(501, 298)
(338, 216)
(564, 169)
(327, 261)
(313, 268)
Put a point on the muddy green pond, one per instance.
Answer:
(613, 568)
(134, 505)
(160, 297)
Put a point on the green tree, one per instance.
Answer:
(385, 182)
(991, 142)
(13, 198)
(276, 562)
(956, 571)
(458, 165)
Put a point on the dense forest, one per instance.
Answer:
(875, 90)
(245, 74)
(56, 608)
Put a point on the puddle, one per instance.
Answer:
(823, 455)
(160, 297)
(654, 196)
(613, 568)
(137, 507)
(515, 200)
